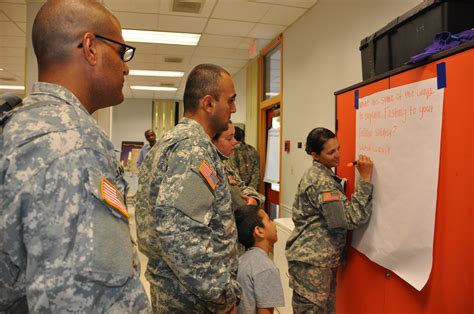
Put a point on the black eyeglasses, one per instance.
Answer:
(126, 53)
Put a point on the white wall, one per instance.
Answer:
(321, 55)
(240, 84)
(130, 121)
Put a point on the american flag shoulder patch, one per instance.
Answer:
(208, 174)
(112, 196)
(331, 196)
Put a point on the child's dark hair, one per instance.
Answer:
(316, 140)
(246, 219)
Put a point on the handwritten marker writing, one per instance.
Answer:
(352, 163)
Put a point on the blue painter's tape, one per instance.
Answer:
(441, 72)
(356, 99)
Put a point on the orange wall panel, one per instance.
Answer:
(363, 286)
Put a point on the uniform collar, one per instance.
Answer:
(45, 91)
(323, 168)
(194, 124)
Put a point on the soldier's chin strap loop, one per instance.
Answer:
(8, 102)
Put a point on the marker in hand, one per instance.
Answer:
(352, 163)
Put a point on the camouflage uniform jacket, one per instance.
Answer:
(184, 220)
(62, 245)
(246, 161)
(240, 185)
(322, 215)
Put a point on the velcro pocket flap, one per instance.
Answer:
(333, 209)
(196, 198)
(111, 261)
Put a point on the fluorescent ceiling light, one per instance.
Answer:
(17, 87)
(138, 36)
(155, 88)
(156, 73)
(1, 69)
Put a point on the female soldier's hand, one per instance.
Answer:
(365, 167)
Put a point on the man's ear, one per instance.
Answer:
(258, 232)
(89, 48)
(208, 103)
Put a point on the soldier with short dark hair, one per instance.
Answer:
(185, 224)
(64, 233)
(322, 215)
(245, 160)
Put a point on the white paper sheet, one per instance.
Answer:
(272, 163)
(400, 130)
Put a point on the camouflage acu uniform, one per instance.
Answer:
(246, 161)
(62, 245)
(322, 215)
(239, 187)
(185, 224)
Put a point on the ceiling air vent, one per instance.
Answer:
(173, 60)
(188, 6)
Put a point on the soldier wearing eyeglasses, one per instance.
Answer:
(64, 233)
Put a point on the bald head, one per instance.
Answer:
(60, 24)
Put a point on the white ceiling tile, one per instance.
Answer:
(12, 41)
(226, 27)
(225, 42)
(3, 17)
(138, 20)
(266, 31)
(144, 48)
(141, 6)
(183, 24)
(208, 40)
(213, 52)
(142, 57)
(161, 60)
(167, 6)
(240, 10)
(159, 66)
(233, 71)
(245, 43)
(13, 1)
(11, 52)
(175, 50)
(10, 29)
(291, 3)
(22, 26)
(138, 65)
(282, 15)
(223, 62)
(16, 12)
(14, 61)
(240, 54)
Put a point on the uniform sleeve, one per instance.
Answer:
(79, 250)
(141, 156)
(186, 232)
(255, 176)
(246, 190)
(337, 209)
